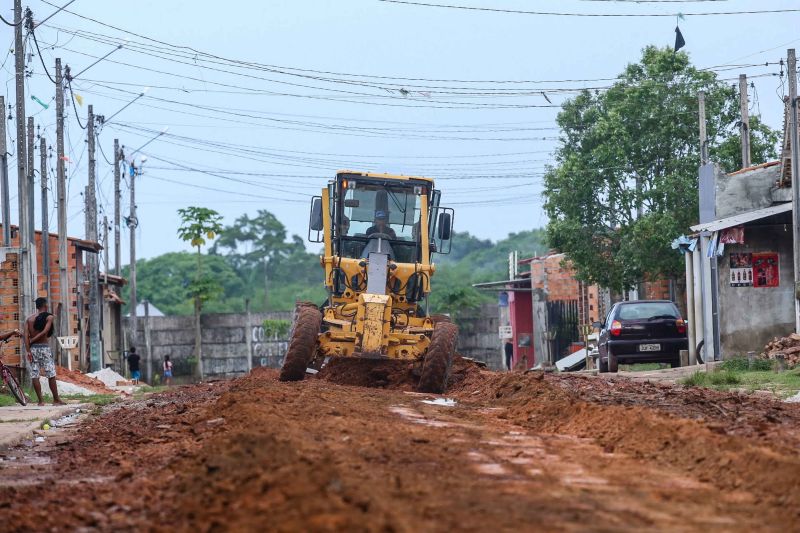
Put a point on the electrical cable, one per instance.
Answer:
(12, 24)
(75, 107)
(30, 27)
(564, 14)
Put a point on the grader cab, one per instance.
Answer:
(379, 232)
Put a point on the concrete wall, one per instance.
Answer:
(750, 316)
(225, 345)
(746, 190)
(478, 335)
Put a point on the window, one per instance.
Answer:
(647, 310)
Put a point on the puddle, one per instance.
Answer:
(492, 469)
(444, 402)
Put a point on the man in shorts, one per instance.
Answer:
(38, 330)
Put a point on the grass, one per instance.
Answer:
(642, 367)
(738, 373)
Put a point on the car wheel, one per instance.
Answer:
(612, 362)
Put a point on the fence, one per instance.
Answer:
(562, 320)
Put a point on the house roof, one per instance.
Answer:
(743, 218)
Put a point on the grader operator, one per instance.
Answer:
(379, 232)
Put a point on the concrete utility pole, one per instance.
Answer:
(744, 127)
(701, 105)
(6, 198)
(45, 221)
(795, 146)
(61, 189)
(132, 223)
(117, 196)
(29, 186)
(105, 248)
(95, 355)
(25, 305)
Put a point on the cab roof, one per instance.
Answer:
(398, 177)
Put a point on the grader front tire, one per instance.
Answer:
(437, 362)
(302, 344)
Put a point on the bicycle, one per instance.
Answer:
(9, 379)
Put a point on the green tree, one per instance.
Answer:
(257, 247)
(636, 146)
(165, 281)
(197, 225)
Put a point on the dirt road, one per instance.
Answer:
(516, 452)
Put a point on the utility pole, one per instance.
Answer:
(25, 306)
(132, 223)
(6, 197)
(95, 355)
(117, 196)
(795, 146)
(61, 189)
(30, 190)
(744, 127)
(105, 248)
(45, 221)
(701, 104)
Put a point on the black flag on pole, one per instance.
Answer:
(679, 42)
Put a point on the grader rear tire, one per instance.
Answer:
(302, 344)
(437, 362)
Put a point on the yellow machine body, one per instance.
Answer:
(365, 316)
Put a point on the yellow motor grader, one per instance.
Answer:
(379, 233)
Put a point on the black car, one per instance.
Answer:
(642, 331)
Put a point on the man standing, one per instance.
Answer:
(133, 365)
(38, 330)
(509, 351)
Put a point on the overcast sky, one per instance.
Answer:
(268, 138)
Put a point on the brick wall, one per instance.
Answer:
(9, 287)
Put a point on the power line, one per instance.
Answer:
(564, 14)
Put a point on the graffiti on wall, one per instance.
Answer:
(268, 348)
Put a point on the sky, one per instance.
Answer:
(350, 84)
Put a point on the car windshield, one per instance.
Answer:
(647, 310)
(371, 208)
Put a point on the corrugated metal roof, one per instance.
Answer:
(743, 218)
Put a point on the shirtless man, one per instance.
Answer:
(38, 329)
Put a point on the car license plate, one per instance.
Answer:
(649, 347)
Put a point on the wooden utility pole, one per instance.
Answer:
(61, 190)
(6, 198)
(117, 196)
(744, 127)
(701, 105)
(795, 147)
(95, 355)
(132, 223)
(45, 221)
